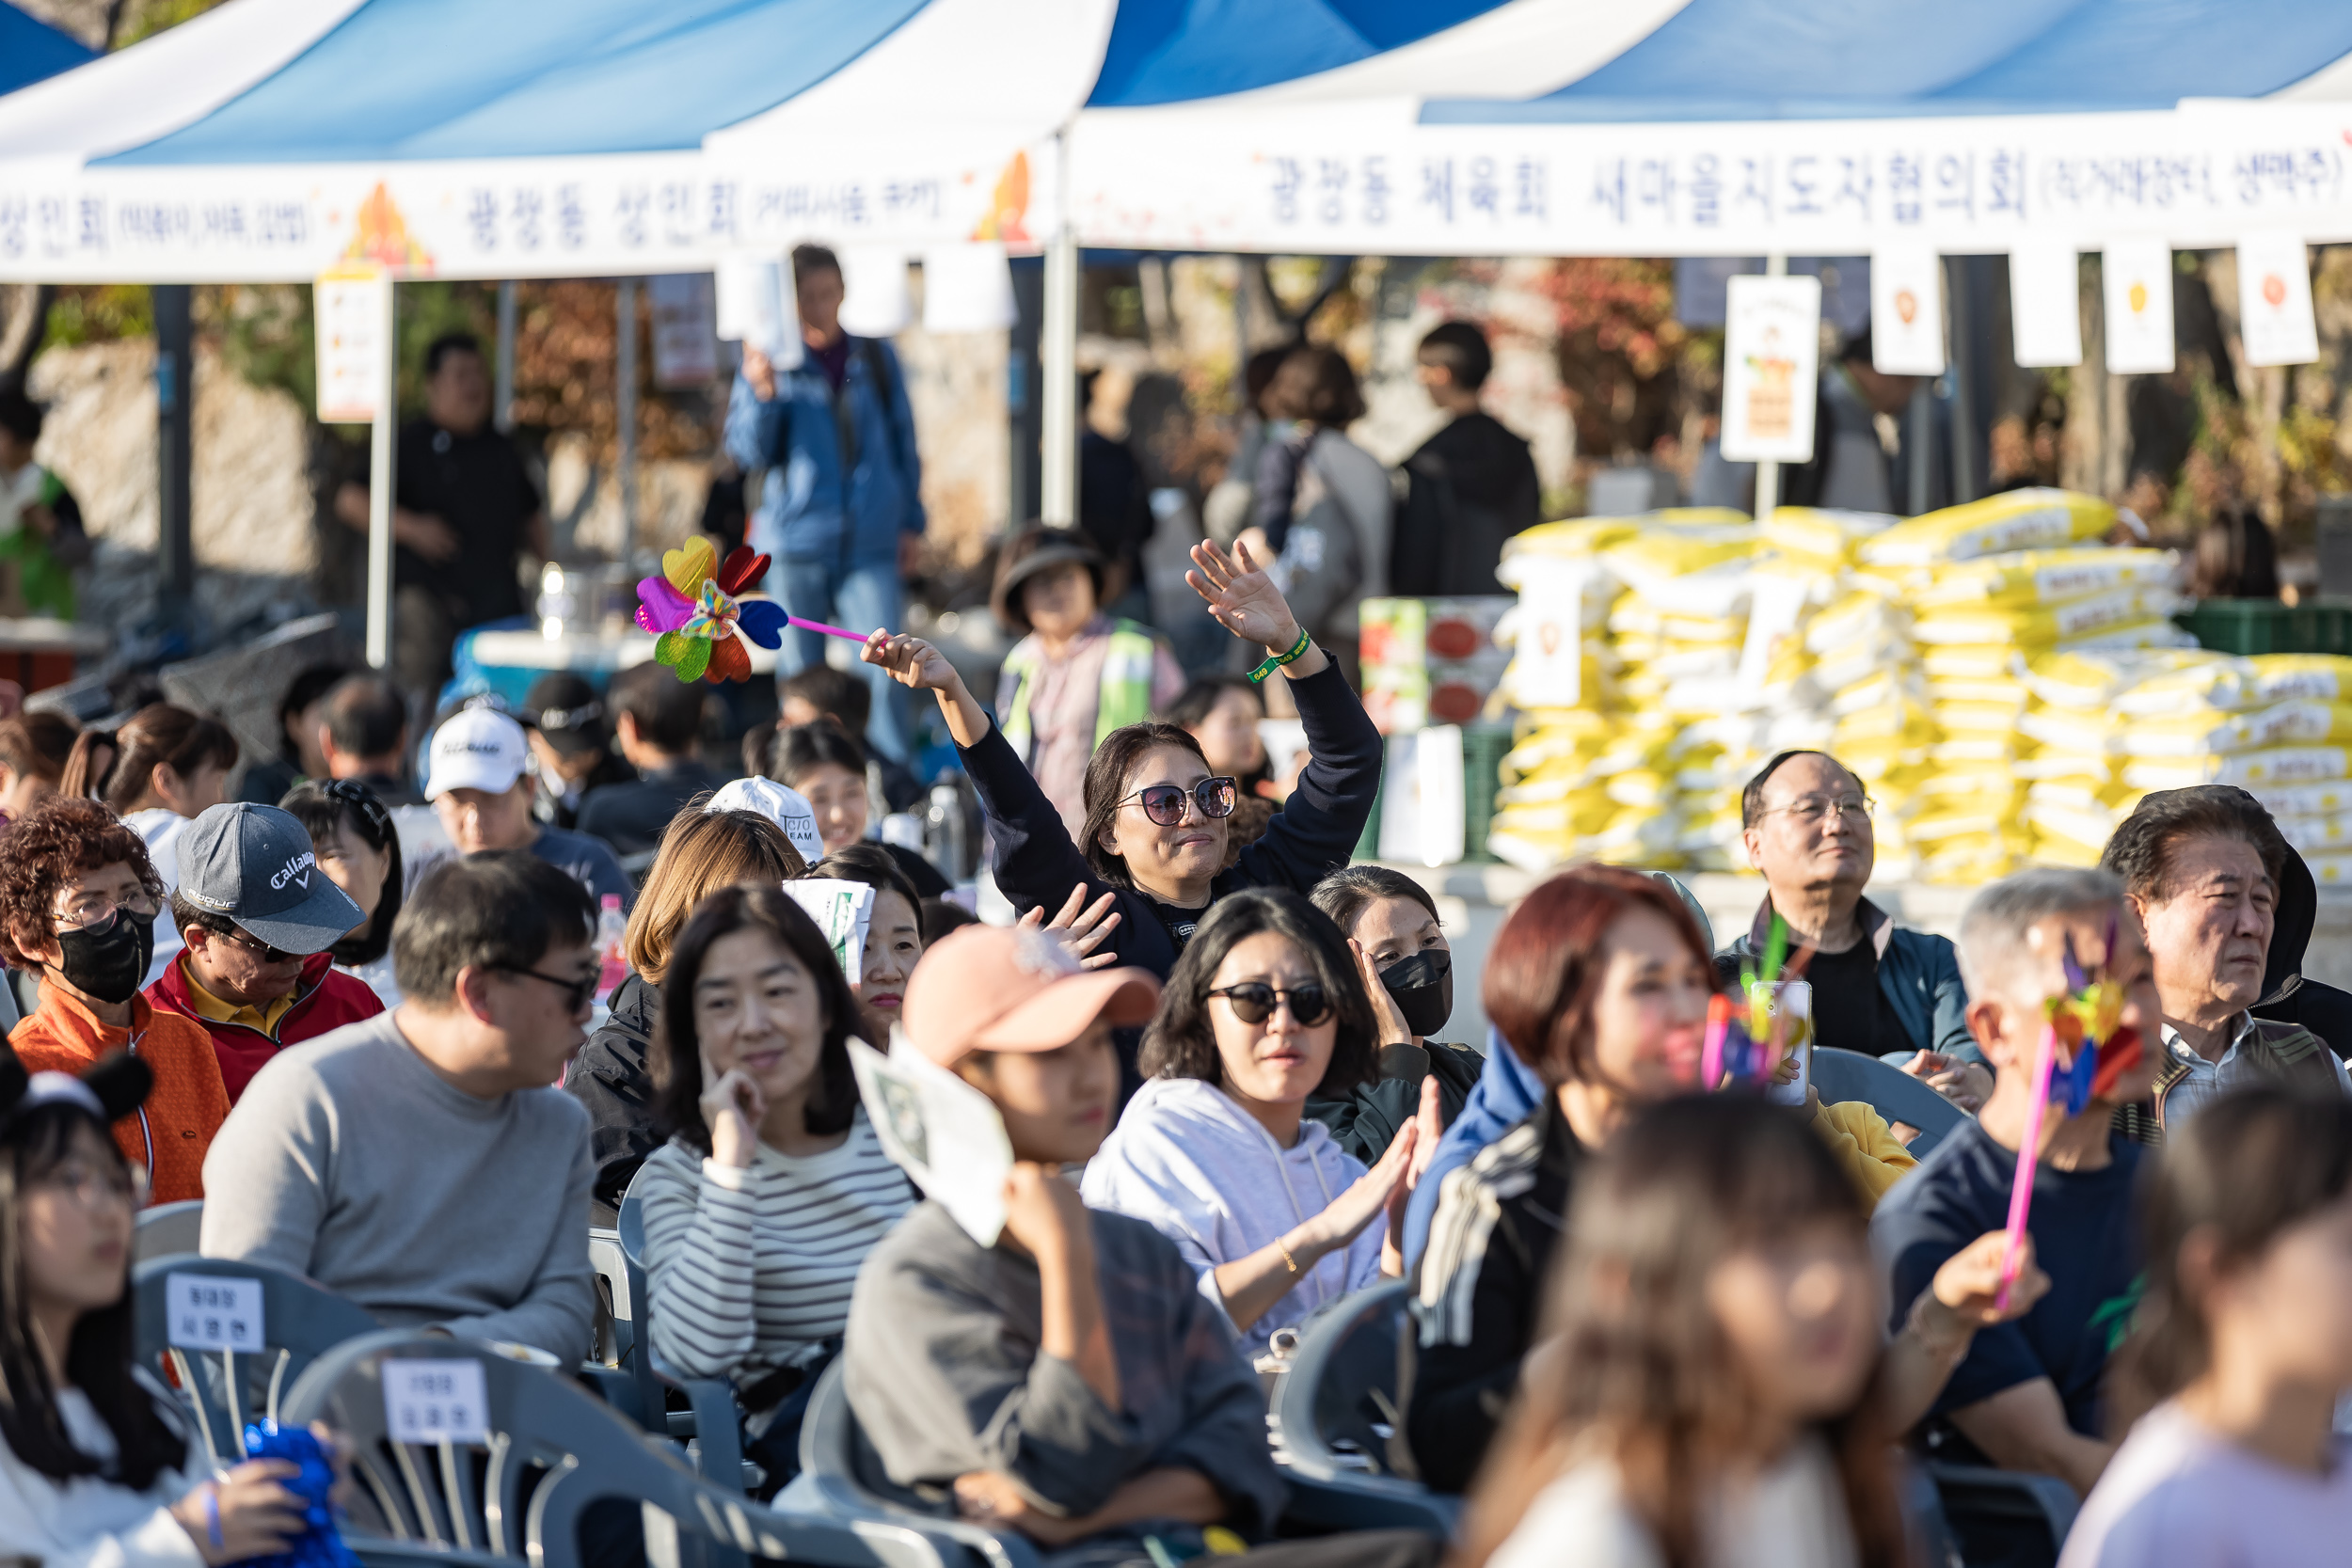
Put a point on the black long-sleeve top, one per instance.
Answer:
(1315, 833)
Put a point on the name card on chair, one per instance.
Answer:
(436, 1401)
(209, 1311)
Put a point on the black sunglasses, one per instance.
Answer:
(1165, 803)
(1253, 1001)
(577, 993)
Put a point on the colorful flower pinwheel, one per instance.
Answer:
(697, 617)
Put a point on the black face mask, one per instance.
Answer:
(108, 961)
(1423, 989)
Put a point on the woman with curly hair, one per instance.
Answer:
(78, 902)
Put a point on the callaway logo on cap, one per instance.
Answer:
(478, 748)
(256, 865)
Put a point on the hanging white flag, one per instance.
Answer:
(2138, 279)
(2274, 292)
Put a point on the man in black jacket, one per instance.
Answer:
(1470, 487)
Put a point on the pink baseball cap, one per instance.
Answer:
(992, 988)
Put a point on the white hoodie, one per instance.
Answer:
(1203, 1172)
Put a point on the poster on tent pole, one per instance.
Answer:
(1772, 362)
(1907, 310)
(2137, 277)
(2274, 291)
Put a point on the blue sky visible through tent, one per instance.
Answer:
(1172, 51)
(1726, 59)
(464, 79)
(32, 51)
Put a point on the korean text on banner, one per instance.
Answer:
(2137, 275)
(2045, 302)
(1772, 361)
(842, 910)
(941, 1131)
(1907, 310)
(348, 305)
(2274, 291)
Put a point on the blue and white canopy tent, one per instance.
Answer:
(32, 51)
(272, 139)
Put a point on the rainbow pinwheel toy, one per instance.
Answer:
(699, 617)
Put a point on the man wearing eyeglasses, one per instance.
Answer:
(1878, 987)
(257, 916)
(422, 1161)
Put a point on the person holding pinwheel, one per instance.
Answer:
(2063, 1005)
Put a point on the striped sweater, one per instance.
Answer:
(750, 1268)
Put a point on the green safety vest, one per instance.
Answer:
(1123, 698)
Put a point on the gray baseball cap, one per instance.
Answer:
(255, 865)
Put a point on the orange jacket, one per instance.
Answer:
(170, 1133)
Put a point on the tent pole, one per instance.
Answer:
(175, 394)
(1057, 485)
(1959, 276)
(1767, 470)
(380, 460)
(624, 328)
(502, 397)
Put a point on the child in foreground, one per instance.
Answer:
(2245, 1335)
(1068, 1383)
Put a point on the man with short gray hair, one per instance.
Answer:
(2205, 869)
(2027, 1395)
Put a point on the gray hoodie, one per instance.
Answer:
(944, 1376)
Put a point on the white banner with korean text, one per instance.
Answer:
(620, 216)
(1367, 179)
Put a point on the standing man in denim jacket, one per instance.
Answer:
(1878, 987)
(841, 507)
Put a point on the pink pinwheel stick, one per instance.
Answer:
(829, 631)
(2029, 1155)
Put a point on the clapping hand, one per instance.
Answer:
(1080, 926)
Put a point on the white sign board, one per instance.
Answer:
(1422, 815)
(756, 308)
(1772, 366)
(2274, 291)
(685, 346)
(2138, 284)
(1548, 647)
(842, 910)
(436, 1401)
(2045, 302)
(967, 288)
(350, 310)
(207, 1311)
(1907, 310)
(941, 1131)
(875, 301)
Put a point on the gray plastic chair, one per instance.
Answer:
(835, 1460)
(711, 1421)
(2005, 1512)
(166, 1228)
(617, 1337)
(1889, 1090)
(550, 1451)
(1334, 1408)
(301, 1321)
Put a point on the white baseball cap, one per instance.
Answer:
(478, 748)
(787, 807)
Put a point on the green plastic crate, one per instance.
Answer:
(2269, 626)
(1483, 750)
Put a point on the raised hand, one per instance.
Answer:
(1080, 926)
(1241, 598)
(911, 661)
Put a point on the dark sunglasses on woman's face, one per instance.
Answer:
(1253, 1001)
(1165, 803)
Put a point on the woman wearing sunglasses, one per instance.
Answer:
(1216, 1150)
(1156, 815)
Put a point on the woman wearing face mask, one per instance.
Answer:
(1216, 1152)
(894, 935)
(158, 772)
(78, 902)
(1705, 1395)
(359, 848)
(1391, 927)
(99, 1464)
(1157, 815)
(773, 1187)
(2241, 1351)
(825, 763)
